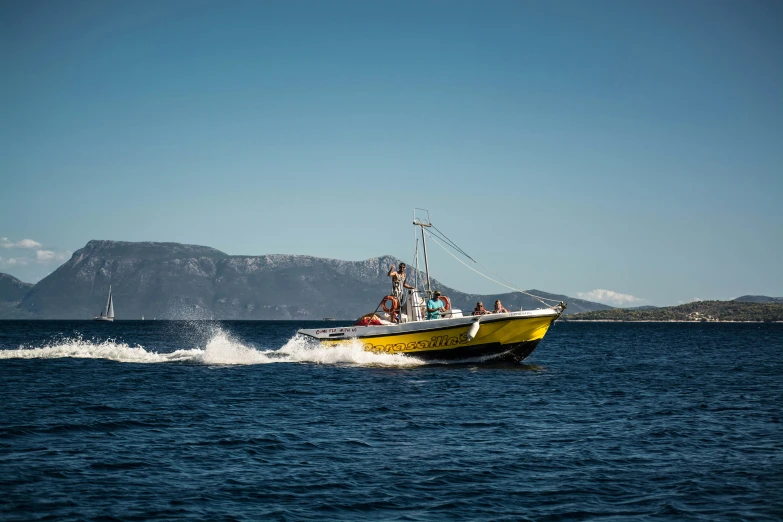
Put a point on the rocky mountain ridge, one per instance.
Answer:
(178, 281)
(12, 291)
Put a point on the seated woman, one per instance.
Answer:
(499, 308)
(480, 310)
(371, 320)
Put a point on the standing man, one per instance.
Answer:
(398, 282)
(435, 306)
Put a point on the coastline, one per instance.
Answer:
(654, 321)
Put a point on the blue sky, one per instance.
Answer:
(633, 147)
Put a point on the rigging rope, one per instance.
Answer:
(483, 265)
(539, 298)
(452, 244)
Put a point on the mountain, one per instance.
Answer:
(702, 311)
(12, 291)
(759, 299)
(176, 281)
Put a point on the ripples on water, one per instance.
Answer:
(242, 420)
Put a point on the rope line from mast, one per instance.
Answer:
(516, 287)
(510, 287)
(453, 244)
(485, 267)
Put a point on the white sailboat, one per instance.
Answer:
(108, 313)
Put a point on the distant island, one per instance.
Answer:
(177, 281)
(763, 309)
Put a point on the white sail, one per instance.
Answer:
(107, 314)
(110, 306)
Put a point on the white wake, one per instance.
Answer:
(220, 349)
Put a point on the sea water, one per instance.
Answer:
(246, 421)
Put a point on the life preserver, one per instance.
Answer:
(395, 304)
(446, 302)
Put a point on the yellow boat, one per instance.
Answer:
(509, 336)
(505, 336)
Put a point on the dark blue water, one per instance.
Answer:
(238, 421)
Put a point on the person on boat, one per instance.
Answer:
(435, 306)
(480, 310)
(499, 308)
(398, 281)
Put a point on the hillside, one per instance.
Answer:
(176, 281)
(759, 299)
(707, 311)
(12, 289)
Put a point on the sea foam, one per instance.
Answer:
(220, 349)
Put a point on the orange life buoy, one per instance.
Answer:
(446, 302)
(395, 304)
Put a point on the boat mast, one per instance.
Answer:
(416, 261)
(426, 262)
(424, 247)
